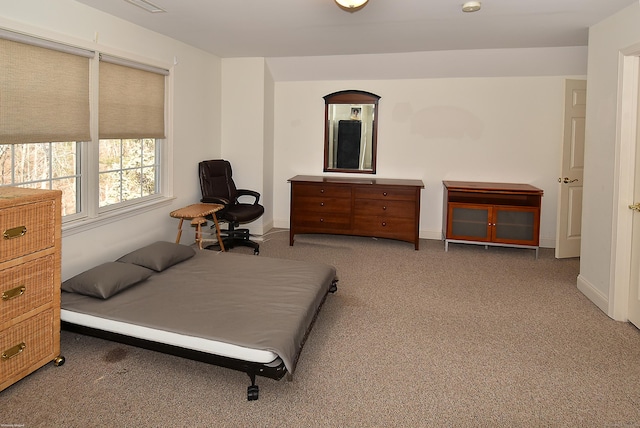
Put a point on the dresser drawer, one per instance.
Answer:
(380, 193)
(326, 190)
(321, 222)
(323, 204)
(391, 208)
(385, 227)
(26, 286)
(26, 344)
(27, 228)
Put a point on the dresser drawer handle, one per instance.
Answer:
(322, 204)
(384, 193)
(13, 293)
(384, 223)
(384, 208)
(15, 232)
(14, 351)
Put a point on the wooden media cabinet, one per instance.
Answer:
(500, 214)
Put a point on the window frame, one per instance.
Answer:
(95, 216)
(90, 215)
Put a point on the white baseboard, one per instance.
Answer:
(593, 294)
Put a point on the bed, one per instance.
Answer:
(243, 312)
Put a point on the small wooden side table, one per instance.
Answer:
(197, 213)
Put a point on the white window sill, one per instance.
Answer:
(84, 224)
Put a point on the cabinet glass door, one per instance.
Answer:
(515, 226)
(468, 222)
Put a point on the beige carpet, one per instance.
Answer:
(469, 337)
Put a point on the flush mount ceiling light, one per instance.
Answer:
(471, 6)
(146, 5)
(351, 5)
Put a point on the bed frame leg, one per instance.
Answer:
(252, 390)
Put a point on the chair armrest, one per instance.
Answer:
(247, 192)
(214, 200)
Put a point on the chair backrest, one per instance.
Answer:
(216, 181)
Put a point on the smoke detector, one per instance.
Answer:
(471, 6)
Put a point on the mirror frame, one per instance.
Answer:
(351, 97)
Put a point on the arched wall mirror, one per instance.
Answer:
(351, 132)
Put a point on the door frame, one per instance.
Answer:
(625, 156)
(567, 247)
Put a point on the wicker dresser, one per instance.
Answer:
(29, 281)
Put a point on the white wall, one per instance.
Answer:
(502, 129)
(245, 118)
(606, 40)
(194, 127)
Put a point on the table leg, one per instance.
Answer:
(199, 235)
(179, 231)
(215, 222)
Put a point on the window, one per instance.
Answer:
(131, 126)
(45, 122)
(128, 170)
(44, 166)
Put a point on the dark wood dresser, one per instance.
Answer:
(376, 207)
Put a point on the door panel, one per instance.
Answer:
(468, 222)
(634, 278)
(569, 222)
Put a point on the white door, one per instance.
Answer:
(569, 222)
(634, 277)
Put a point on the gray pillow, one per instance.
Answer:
(159, 255)
(107, 279)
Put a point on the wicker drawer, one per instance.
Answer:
(324, 189)
(26, 229)
(380, 193)
(36, 334)
(26, 287)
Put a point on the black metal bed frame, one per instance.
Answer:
(274, 370)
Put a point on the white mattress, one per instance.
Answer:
(188, 342)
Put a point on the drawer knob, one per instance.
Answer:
(384, 193)
(13, 351)
(384, 208)
(321, 190)
(15, 232)
(384, 223)
(321, 220)
(13, 293)
(322, 204)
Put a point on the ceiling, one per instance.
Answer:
(292, 28)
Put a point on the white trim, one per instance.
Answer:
(88, 223)
(132, 64)
(592, 293)
(44, 43)
(627, 117)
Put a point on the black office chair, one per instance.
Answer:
(218, 187)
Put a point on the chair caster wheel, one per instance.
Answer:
(333, 288)
(58, 361)
(252, 392)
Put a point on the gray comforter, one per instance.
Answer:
(256, 302)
